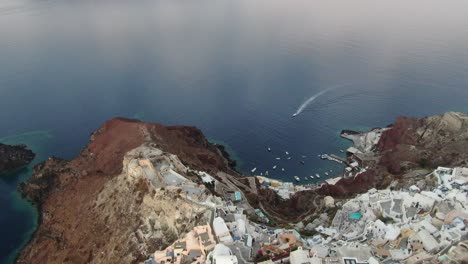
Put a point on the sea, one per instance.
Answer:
(237, 69)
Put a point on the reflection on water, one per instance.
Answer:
(235, 69)
(11, 7)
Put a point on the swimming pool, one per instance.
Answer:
(355, 216)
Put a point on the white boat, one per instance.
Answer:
(287, 153)
(261, 173)
(278, 158)
(304, 156)
(326, 173)
(318, 176)
(305, 178)
(289, 158)
(269, 149)
(297, 178)
(274, 167)
(282, 169)
(294, 115)
(341, 150)
(266, 173)
(311, 176)
(253, 170)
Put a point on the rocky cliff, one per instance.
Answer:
(102, 206)
(406, 150)
(426, 142)
(13, 157)
(405, 154)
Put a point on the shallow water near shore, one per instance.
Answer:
(18, 218)
(238, 70)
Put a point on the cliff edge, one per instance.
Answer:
(105, 206)
(113, 203)
(406, 151)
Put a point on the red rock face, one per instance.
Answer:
(66, 191)
(345, 187)
(402, 132)
(411, 144)
(118, 136)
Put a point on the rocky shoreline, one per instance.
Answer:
(72, 226)
(14, 157)
(409, 145)
(69, 194)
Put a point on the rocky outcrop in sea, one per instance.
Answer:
(14, 157)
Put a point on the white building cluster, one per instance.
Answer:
(285, 190)
(380, 226)
(398, 225)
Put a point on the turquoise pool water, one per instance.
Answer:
(355, 216)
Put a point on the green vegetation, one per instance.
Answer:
(308, 233)
(253, 218)
(386, 220)
(423, 162)
(331, 212)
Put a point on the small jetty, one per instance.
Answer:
(333, 157)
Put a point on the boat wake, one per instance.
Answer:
(311, 99)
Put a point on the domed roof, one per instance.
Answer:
(221, 250)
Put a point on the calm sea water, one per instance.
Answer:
(236, 69)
